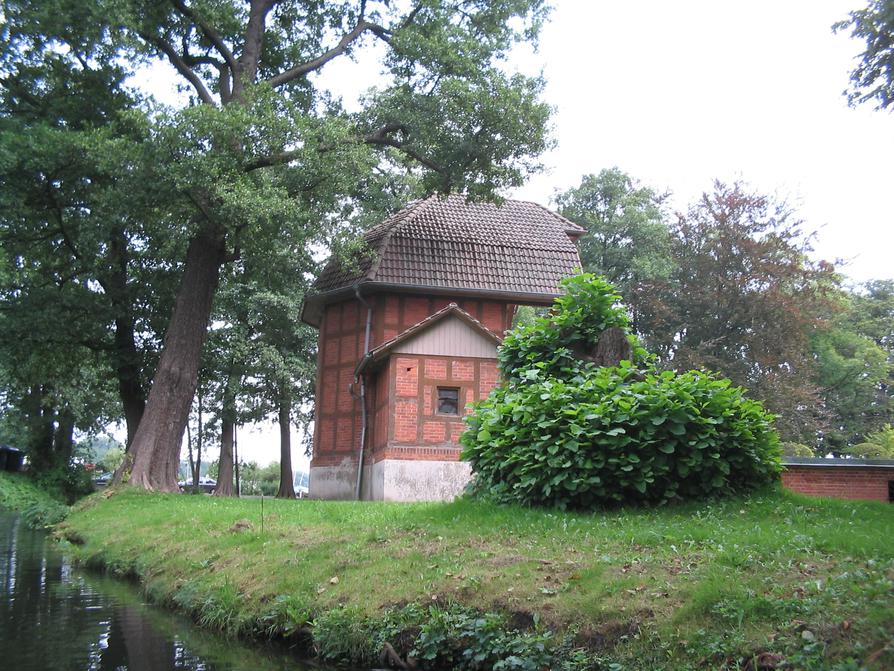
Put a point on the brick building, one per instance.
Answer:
(408, 337)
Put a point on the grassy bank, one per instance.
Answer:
(744, 583)
(18, 492)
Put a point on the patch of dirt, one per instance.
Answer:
(608, 634)
(521, 620)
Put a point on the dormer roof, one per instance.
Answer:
(452, 310)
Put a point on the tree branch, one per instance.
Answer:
(382, 137)
(315, 64)
(177, 61)
(251, 48)
(209, 32)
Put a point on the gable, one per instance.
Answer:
(449, 337)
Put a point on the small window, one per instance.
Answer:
(448, 401)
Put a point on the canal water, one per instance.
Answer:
(56, 617)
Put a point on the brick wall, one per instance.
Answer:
(839, 481)
(338, 413)
(415, 429)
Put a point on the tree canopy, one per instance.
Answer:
(261, 155)
(872, 80)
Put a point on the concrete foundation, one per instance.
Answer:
(392, 480)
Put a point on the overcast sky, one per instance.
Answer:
(680, 93)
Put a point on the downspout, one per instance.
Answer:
(362, 380)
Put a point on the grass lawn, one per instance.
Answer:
(769, 579)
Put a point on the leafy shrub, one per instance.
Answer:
(566, 433)
(797, 450)
(878, 445)
(44, 514)
(68, 483)
(618, 436)
(588, 306)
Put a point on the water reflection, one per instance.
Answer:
(55, 617)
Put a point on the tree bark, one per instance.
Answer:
(40, 429)
(63, 438)
(227, 433)
(225, 464)
(155, 451)
(126, 356)
(197, 473)
(286, 477)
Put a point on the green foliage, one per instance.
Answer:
(587, 307)
(69, 483)
(451, 637)
(797, 450)
(628, 239)
(38, 507)
(44, 514)
(873, 78)
(566, 433)
(615, 436)
(878, 445)
(256, 480)
(854, 355)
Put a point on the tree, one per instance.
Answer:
(744, 299)
(71, 217)
(873, 79)
(627, 240)
(854, 370)
(262, 147)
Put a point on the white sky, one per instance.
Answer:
(680, 93)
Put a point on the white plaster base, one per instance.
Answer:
(404, 480)
(337, 482)
(392, 480)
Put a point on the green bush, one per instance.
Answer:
(566, 433)
(588, 306)
(878, 445)
(69, 483)
(618, 436)
(797, 450)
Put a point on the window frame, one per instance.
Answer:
(438, 390)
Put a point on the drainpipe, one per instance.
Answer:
(362, 380)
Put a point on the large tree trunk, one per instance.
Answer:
(155, 451)
(227, 433)
(63, 438)
(40, 429)
(197, 473)
(125, 355)
(286, 477)
(225, 464)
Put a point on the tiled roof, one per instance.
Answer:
(446, 242)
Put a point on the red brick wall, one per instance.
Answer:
(840, 482)
(338, 412)
(410, 427)
(337, 415)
